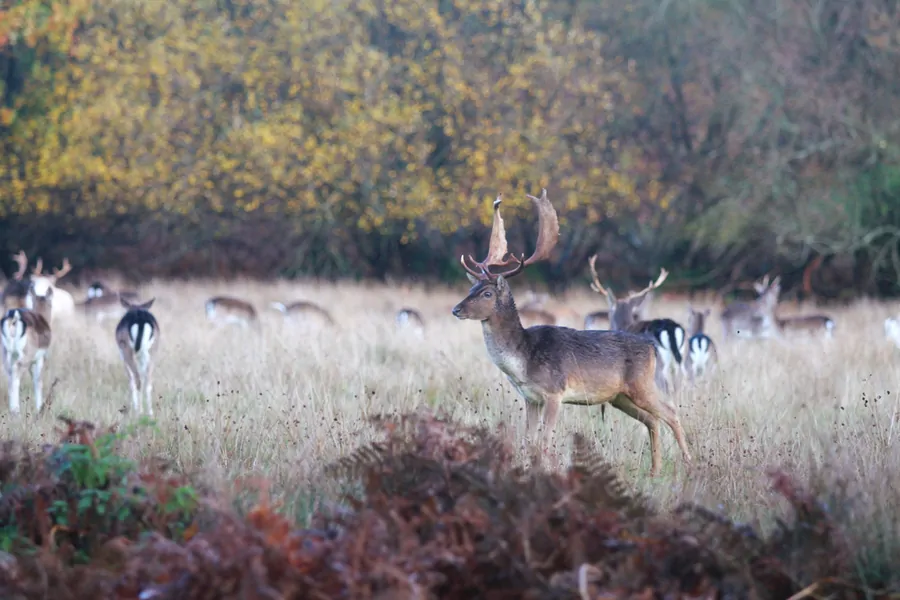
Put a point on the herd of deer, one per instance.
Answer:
(632, 364)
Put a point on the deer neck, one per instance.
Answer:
(506, 342)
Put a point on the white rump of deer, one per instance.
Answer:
(225, 310)
(701, 356)
(137, 336)
(25, 338)
(668, 335)
(41, 284)
(550, 366)
(304, 312)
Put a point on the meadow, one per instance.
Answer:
(282, 401)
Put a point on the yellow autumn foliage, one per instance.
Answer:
(381, 113)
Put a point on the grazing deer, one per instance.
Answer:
(98, 289)
(137, 335)
(550, 366)
(892, 330)
(103, 302)
(225, 310)
(63, 302)
(25, 338)
(667, 334)
(810, 324)
(410, 319)
(15, 293)
(754, 319)
(304, 312)
(701, 355)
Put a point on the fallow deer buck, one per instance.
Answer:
(137, 336)
(668, 335)
(550, 366)
(25, 338)
(701, 355)
(409, 319)
(754, 319)
(304, 312)
(15, 293)
(226, 310)
(63, 302)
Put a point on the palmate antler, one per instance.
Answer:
(598, 287)
(548, 236)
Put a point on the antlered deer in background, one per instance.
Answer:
(668, 335)
(41, 284)
(754, 319)
(550, 366)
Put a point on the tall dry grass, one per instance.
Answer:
(284, 401)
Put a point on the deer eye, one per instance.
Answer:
(488, 294)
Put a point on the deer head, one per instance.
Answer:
(623, 311)
(490, 290)
(40, 282)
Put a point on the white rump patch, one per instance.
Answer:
(13, 335)
(679, 337)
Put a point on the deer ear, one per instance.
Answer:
(502, 284)
(472, 278)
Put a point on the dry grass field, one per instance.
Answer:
(283, 401)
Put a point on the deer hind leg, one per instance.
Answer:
(627, 406)
(134, 378)
(14, 372)
(146, 373)
(37, 369)
(648, 398)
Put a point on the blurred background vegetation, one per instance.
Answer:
(721, 139)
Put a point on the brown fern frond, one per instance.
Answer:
(600, 486)
(355, 464)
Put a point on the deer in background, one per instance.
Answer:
(701, 355)
(550, 366)
(302, 311)
(104, 302)
(25, 339)
(668, 335)
(15, 293)
(754, 319)
(810, 324)
(410, 319)
(41, 284)
(225, 310)
(137, 336)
